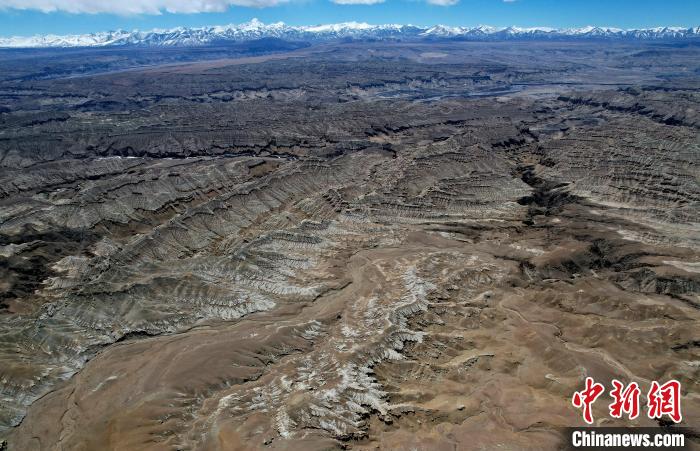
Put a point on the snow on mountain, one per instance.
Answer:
(257, 30)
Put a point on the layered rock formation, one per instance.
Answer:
(343, 251)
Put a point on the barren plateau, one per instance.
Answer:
(352, 245)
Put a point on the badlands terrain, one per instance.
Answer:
(348, 245)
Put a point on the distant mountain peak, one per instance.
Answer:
(255, 29)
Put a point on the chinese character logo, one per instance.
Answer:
(665, 400)
(661, 400)
(586, 397)
(626, 400)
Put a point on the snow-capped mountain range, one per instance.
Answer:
(257, 30)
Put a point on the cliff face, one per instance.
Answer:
(368, 245)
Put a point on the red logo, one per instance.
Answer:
(665, 400)
(626, 400)
(586, 397)
(661, 400)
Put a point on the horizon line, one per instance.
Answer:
(254, 21)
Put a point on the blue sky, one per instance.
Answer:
(27, 17)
